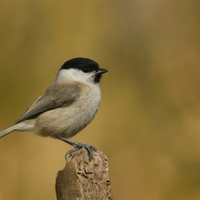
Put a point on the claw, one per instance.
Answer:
(70, 152)
(77, 146)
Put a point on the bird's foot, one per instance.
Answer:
(77, 146)
(89, 149)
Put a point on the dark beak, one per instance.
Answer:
(102, 71)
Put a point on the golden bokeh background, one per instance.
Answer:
(148, 121)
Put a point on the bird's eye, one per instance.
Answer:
(85, 69)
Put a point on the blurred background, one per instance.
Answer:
(148, 121)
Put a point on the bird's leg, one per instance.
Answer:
(78, 146)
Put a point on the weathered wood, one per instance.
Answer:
(81, 179)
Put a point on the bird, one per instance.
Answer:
(67, 106)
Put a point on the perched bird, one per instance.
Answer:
(67, 106)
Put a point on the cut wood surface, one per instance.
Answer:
(84, 179)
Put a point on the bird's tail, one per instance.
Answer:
(10, 129)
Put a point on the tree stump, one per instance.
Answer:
(84, 179)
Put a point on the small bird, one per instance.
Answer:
(67, 106)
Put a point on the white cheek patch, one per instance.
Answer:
(74, 74)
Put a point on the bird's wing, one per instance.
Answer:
(53, 97)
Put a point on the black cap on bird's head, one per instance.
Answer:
(85, 65)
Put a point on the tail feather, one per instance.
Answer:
(10, 130)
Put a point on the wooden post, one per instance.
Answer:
(81, 179)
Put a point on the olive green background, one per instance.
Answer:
(148, 123)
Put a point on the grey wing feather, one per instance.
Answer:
(51, 99)
(38, 107)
